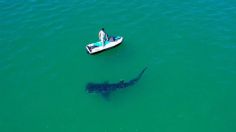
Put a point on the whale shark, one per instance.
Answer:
(106, 88)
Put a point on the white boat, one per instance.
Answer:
(97, 46)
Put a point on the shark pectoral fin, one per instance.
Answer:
(106, 95)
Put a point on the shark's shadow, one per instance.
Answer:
(106, 88)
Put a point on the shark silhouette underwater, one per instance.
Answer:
(106, 88)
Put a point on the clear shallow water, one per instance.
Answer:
(188, 47)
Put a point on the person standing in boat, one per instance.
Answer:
(102, 36)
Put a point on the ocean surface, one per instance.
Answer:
(189, 48)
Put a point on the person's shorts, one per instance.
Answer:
(102, 40)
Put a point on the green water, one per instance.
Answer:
(189, 48)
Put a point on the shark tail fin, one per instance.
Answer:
(141, 73)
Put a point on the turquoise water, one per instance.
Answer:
(189, 48)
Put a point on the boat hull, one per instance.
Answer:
(97, 47)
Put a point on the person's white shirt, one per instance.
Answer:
(102, 35)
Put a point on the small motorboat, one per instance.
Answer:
(110, 43)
